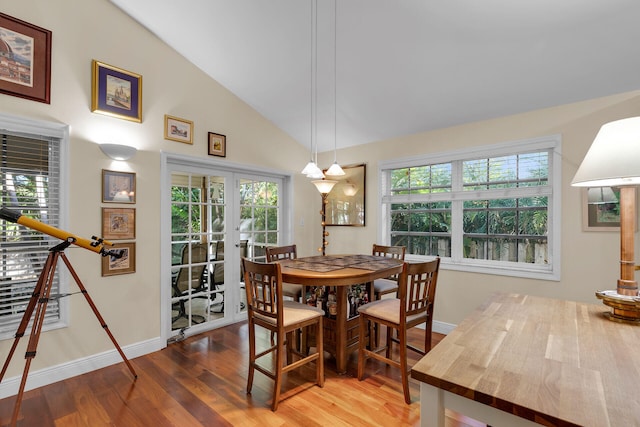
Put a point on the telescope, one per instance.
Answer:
(95, 244)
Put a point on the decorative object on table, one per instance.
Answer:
(116, 92)
(118, 187)
(217, 145)
(29, 58)
(324, 186)
(346, 202)
(612, 161)
(177, 129)
(118, 223)
(125, 263)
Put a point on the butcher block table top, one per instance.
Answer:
(550, 361)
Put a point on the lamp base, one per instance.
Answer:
(626, 309)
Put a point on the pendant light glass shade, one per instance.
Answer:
(335, 170)
(324, 186)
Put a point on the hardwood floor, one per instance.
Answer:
(201, 381)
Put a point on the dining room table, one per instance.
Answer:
(339, 284)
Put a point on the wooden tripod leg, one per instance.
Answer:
(97, 313)
(42, 297)
(35, 296)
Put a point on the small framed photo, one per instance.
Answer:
(116, 92)
(217, 145)
(118, 223)
(118, 187)
(124, 263)
(600, 209)
(26, 71)
(177, 129)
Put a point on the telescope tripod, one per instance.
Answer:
(39, 300)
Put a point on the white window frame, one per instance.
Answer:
(549, 271)
(38, 128)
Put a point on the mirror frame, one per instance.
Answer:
(355, 178)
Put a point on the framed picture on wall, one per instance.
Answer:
(118, 187)
(600, 209)
(217, 144)
(346, 201)
(177, 129)
(118, 223)
(116, 92)
(124, 263)
(25, 73)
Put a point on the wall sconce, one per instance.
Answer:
(324, 186)
(118, 151)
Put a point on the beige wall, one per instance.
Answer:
(589, 259)
(95, 29)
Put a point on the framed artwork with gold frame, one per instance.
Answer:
(116, 92)
(124, 264)
(177, 129)
(118, 223)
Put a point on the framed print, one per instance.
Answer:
(346, 201)
(126, 263)
(26, 71)
(116, 92)
(118, 223)
(118, 187)
(177, 129)
(217, 145)
(601, 209)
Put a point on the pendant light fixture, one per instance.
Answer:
(335, 169)
(311, 170)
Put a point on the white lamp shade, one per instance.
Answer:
(350, 189)
(335, 170)
(324, 186)
(118, 151)
(614, 157)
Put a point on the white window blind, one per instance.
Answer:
(30, 184)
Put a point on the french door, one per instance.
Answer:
(217, 216)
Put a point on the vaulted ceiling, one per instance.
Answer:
(401, 66)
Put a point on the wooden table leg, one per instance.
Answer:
(341, 329)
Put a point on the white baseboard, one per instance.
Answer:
(10, 386)
(443, 328)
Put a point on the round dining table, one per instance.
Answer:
(339, 275)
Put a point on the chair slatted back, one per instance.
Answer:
(396, 252)
(264, 289)
(275, 253)
(417, 287)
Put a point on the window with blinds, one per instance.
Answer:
(488, 210)
(30, 184)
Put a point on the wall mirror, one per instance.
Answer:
(346, 201)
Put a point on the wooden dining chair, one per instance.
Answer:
(275, 253)
(387, 285)
(267, 308)
(412, 307)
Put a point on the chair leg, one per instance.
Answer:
(402, 334)
(252, 355)
(278, 371)
(389, 342)
(361, 346)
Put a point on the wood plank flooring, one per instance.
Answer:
(201, 381)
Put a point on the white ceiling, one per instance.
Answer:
(403, 66)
